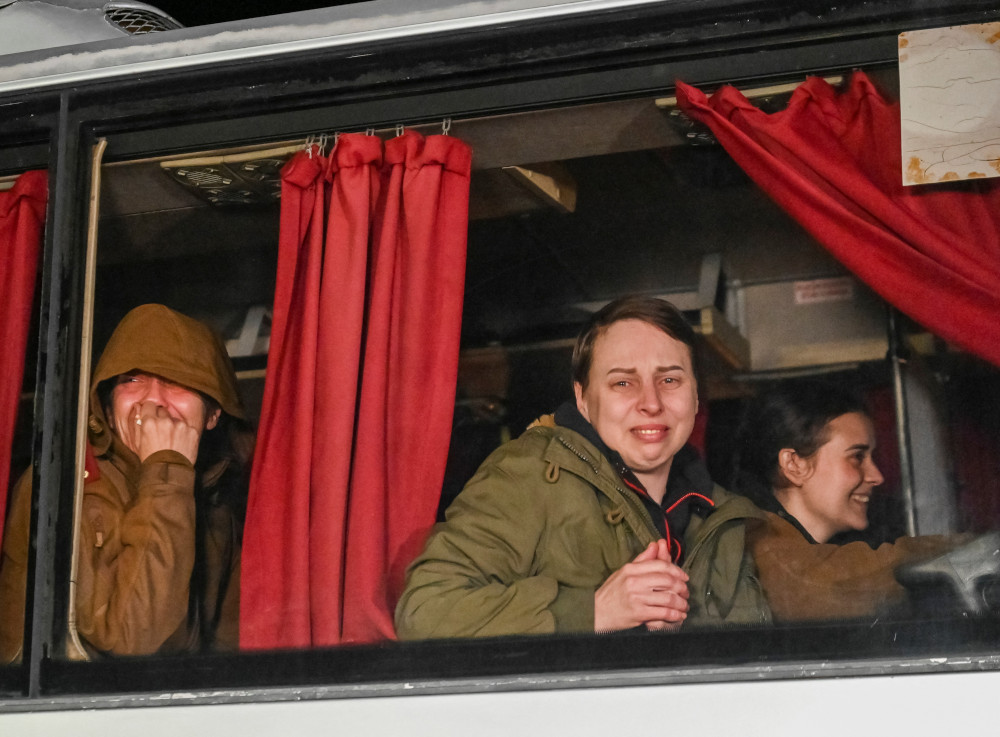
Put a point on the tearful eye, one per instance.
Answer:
(136, 378)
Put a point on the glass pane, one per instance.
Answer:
(570, 209)
(174, 397)
(22, 202)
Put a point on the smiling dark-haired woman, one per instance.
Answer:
(805, 456)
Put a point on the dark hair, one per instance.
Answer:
(232, 440)
(790, 415)
(657, 312)
(225, 456)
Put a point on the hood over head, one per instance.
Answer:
(155, 339)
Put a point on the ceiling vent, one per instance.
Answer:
(236, 179)
(137, 19)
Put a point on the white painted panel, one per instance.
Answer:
(914, 705)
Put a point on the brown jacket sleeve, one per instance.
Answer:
(136, 557)
(14, 570)
(806, 581)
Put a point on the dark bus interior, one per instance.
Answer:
(570, 207)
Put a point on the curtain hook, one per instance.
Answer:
(399, 129)
(323, 140)
(370, 132)
(446, 126)
(310, 140)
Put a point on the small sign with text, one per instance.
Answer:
(814, 291)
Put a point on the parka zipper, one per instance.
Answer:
(628, 497)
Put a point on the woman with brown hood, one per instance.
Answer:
(158, 538)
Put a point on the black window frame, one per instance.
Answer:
(594, 57)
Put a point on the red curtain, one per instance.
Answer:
(833, 162)
(22, 216)
(359, 396)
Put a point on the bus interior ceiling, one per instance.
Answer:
(633, 208)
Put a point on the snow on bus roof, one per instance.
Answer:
(340, 26)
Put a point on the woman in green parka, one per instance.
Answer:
(603, 519)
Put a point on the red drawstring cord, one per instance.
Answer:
(670, 509)
(674, 546)
(704, 498)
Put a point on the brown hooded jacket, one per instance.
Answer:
(158, 541)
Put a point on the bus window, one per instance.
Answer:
(182, 294)
(23, 198)
(564, 216)
(586, 185)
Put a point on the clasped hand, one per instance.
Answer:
(651, 590)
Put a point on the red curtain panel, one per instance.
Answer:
(22, 218)
(833, 162)
(326, 544)
(275, 582)
(354, 175)
(410, 371)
